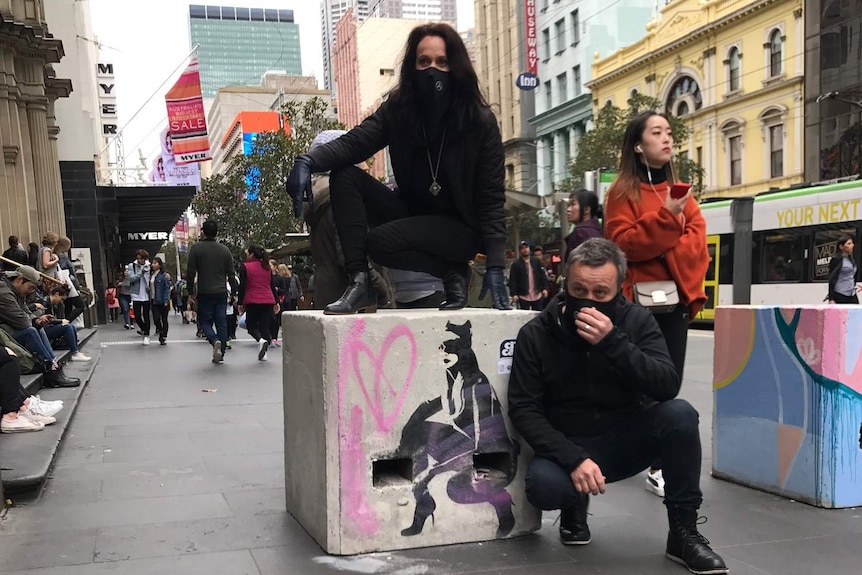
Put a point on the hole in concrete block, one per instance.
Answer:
(390, 472)
(493, 465)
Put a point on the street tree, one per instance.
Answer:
(249, 200)
(599, 148)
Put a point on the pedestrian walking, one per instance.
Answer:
(160, 288)
(843, 273)
(139, 286)
(124, 297)
(210, 269)
(257, 297)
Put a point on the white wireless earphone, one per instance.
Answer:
(639, 150)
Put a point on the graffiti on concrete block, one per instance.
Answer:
(463, 435)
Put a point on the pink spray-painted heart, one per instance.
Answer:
(354, 347)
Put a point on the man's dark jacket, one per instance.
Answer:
(562, 388)
(519, 283)
(16, 255)
(471, 167)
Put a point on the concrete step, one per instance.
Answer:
(26, 458)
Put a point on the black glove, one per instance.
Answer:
(495, 282)
(299, 183)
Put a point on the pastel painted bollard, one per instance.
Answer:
(788, 401)
(396, 430)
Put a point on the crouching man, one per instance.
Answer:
(592, 390)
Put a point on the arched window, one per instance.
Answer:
(683, 91)
(733, 65)
(776, 45)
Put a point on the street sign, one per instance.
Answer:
(527, 81)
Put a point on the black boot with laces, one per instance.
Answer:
(687, 546)
(573, 523)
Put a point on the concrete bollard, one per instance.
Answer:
(788, 401)
(396, 430)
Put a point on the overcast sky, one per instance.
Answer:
(146, 41)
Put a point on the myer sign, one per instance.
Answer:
(147, 236)
(107, 98)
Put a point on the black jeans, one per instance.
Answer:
(668, 430)
(231, 326)
(674, 328)
(401, 236)
(531, 305)
(75, 306)
(258, 317)
(142, 315)
(160, 319)
(12, 395)
(841, 298)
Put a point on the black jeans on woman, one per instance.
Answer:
(402, 235)
(12, 395)
(674, 328)
(75, 306)
(258, 317)
(160, 319)
(142, 316)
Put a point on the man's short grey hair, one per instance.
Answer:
(597, 252)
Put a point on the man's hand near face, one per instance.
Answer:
(593, 326)
(588, 478)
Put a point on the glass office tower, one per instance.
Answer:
(237, 45)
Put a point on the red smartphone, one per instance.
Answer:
(679, 190)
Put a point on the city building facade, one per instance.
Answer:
(445, 10)
(745, 113)
(331, 12)
(569, 37)
(366, 60)
(833, 89)
(31, 200)
(237, 46)
(501, 45)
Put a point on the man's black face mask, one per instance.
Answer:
(575, 304)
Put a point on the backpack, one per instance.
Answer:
(110, 296)
(26, 361)
(184, 289)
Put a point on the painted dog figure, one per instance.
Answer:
(449, 438)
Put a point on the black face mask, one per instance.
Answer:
(575, 304)
(434, 90)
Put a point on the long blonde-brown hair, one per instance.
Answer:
(284, 271)
(628, 181)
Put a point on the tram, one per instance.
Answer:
(774, 248)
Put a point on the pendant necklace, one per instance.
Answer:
(435, 187)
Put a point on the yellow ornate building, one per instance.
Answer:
(734, 70)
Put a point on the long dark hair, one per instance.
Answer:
(259, 254)
(628, 181)
(586, 199)
(467, 99)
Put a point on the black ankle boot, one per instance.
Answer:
(56, 378)
(358, 297)
(573, 523)
(455, 286)
(687, 546)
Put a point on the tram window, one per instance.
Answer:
(710, 297)
(725, 262)
(710, 271)
(781, 258)
(825, 247)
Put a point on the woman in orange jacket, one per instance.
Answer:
(663, 238)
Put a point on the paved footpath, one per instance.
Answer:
(158, 477)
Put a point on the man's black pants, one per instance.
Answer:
(142, 315)
(401, 236)
(668, 429)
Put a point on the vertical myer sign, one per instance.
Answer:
(528, 80)
(107, 98)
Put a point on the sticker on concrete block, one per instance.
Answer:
(507, 352)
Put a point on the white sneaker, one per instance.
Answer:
(45, 408)
(36, 418)
(146, 340)
(262, 346)
(655, 482)
(78, 356)
(20, 425)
